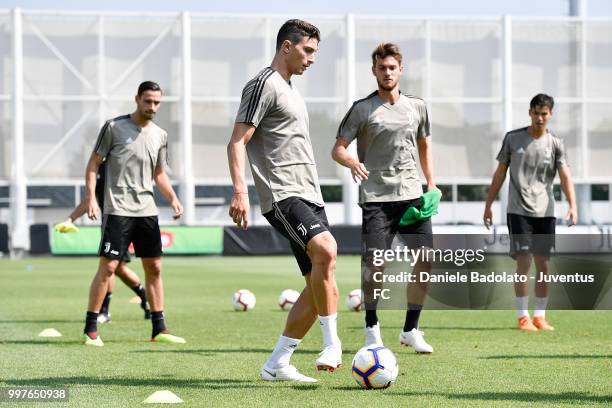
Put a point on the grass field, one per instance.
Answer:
(480, 358)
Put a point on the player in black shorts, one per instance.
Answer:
(127, 276)
(272, 128)
(390, 130)
(534, 155)
(135, 151)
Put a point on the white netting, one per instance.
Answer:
(546, 58)
(600, 140)
(466, 59)
(65, 80)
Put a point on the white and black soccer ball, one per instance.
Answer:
(287, 298)
(375, 367)
(354, 300)
(243, 300)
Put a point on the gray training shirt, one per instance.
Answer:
(132, 154)
(533, 164)
(280, 151)
(387, 145)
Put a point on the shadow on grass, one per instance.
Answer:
(213, 351)
(305, 387)
(550, 356)
(466, 328)
(41, 342)
(559, 398)
(209, 383)
(42, 321)
(209, 352)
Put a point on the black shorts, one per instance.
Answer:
(119, 231)
(531, 235)
(299, 221)
(380, 225)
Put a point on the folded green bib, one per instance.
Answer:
(429, 206)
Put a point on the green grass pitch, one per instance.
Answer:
(480, 358)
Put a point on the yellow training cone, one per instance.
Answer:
(163, 397)
(50, 333)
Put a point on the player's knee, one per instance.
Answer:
(523, 262)
(154, 267)
(107, 269)
(325, 252)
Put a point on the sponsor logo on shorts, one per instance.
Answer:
(302, 229)
(107, 247)
(113, 252)
(315, 226)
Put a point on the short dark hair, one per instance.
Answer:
(542, 100)
(384, 50)
(294, 30)
(148, 86)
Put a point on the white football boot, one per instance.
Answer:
(287, 373)
(104, 318)
(414, 338)
(372, 336)
(330, 358)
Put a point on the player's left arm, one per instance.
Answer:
(165, 187)
(426, 159)
(567, 185)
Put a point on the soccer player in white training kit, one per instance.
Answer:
(390, 129)
(272, 129)
(136, 153)
(534, 155)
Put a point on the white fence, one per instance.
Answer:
(64, 73)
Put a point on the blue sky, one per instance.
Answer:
(306, 7)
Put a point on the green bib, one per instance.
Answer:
(429, 206)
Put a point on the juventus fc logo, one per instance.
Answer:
(302, 229)
(106, 247)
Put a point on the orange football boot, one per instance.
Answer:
(542, 324)
(525, 324)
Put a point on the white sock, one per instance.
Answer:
(329, 329)
(372, 334)
(282, 352)
(522, 306)
(540, 306)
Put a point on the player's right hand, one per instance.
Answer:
(359, 172)
(92, 209)
(239, 210)
(487, 217)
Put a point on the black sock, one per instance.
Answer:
(91, 322)
(371, 318)
(106, 303)
(412, 317)
(157, 319)
(140, 291)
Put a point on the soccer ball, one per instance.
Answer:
(287, 298)
(375, 367)
(243, 300)
(353, 300)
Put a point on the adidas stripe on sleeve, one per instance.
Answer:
(257, 97)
